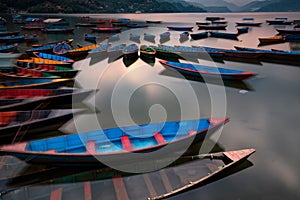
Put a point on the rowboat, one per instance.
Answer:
(17, 19)
(241, 30)
(9, 48)
(106, 30)
(180, 28)
(274, 54)
(80, 53)
(188, 173)
(9, 33)
(219, 22)
(130, 51)
(33, 61)
(35, 83)
(201, 35)
(61, 48)
(85, 25)
(248, 23)
(33, 27)
(58, 30)
(291, 38)
(90, 37)
(224, 35)
(193, 52)
(147, 53)
(166, 53)
(153, 21)
(68, 41)
(288, 31)
(115, 145)
(17, 124)
(213, 27)
(135, 25)
(53, 70)
(184, 34)
(29, 99)
(202, 23)
(45, 49)
(279, 21)
(214, 18)
(24, 73)
(53, 57)
(207, 71)
(12, 38)
(101, 48)
(272, 40)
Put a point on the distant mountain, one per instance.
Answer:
(281, 6)
(217, 9)
(96, 6)
(256, 5)
(215, 3)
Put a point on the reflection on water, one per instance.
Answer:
(265, 118)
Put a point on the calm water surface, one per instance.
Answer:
(263, 110)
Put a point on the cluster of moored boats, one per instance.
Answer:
(31, 94)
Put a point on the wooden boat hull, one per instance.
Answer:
(9, 48)
(53, 98)
(57, 30)
(271, 40)
(33, 83)
(173, 28)
(232, 36)
(198, 36)
(248, 23)
(207, 71)
(286, 31)
(129, 154)
(106, 30)
(37, 121)
(212, 27)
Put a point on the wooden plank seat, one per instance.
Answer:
(56, 194)
(90, 147)
(126, 143)
(159, 138)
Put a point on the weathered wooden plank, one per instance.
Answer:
(166, 181)
(212, 167)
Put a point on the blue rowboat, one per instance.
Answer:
(201, 35)
(201, 70)
(130, 51)
(61, 48)
(53, 57)
(180, 28)
(90, 37)
(224, 35)
(123, 145)
(45, 49)
(292, 38)
(9, 48)
(25, 83)
(12, 38)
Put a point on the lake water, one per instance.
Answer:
(263, 110)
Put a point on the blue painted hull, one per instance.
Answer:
(116, 145)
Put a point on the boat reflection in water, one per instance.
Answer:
(187, 173)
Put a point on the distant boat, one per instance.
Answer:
(272, 40)
(165, 35)
(184, 34)
(213, 27)
(180, 28)
(208, 71)
(219, 22)
(90, 37)
(242, 30)
(201, 35)
(85, 25)
(17, 124)
(248, 21)
(30, 99)
(130, 51)
(106, 30)
(288, 31)
(225, 35)
(114, 145)
(45, 49)
(68, 41)
(12, 38)
(153, 21)
(203, 23)
(214, 18)
(279, 21)
(58, 30)
(9, 48)
(135, 25)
